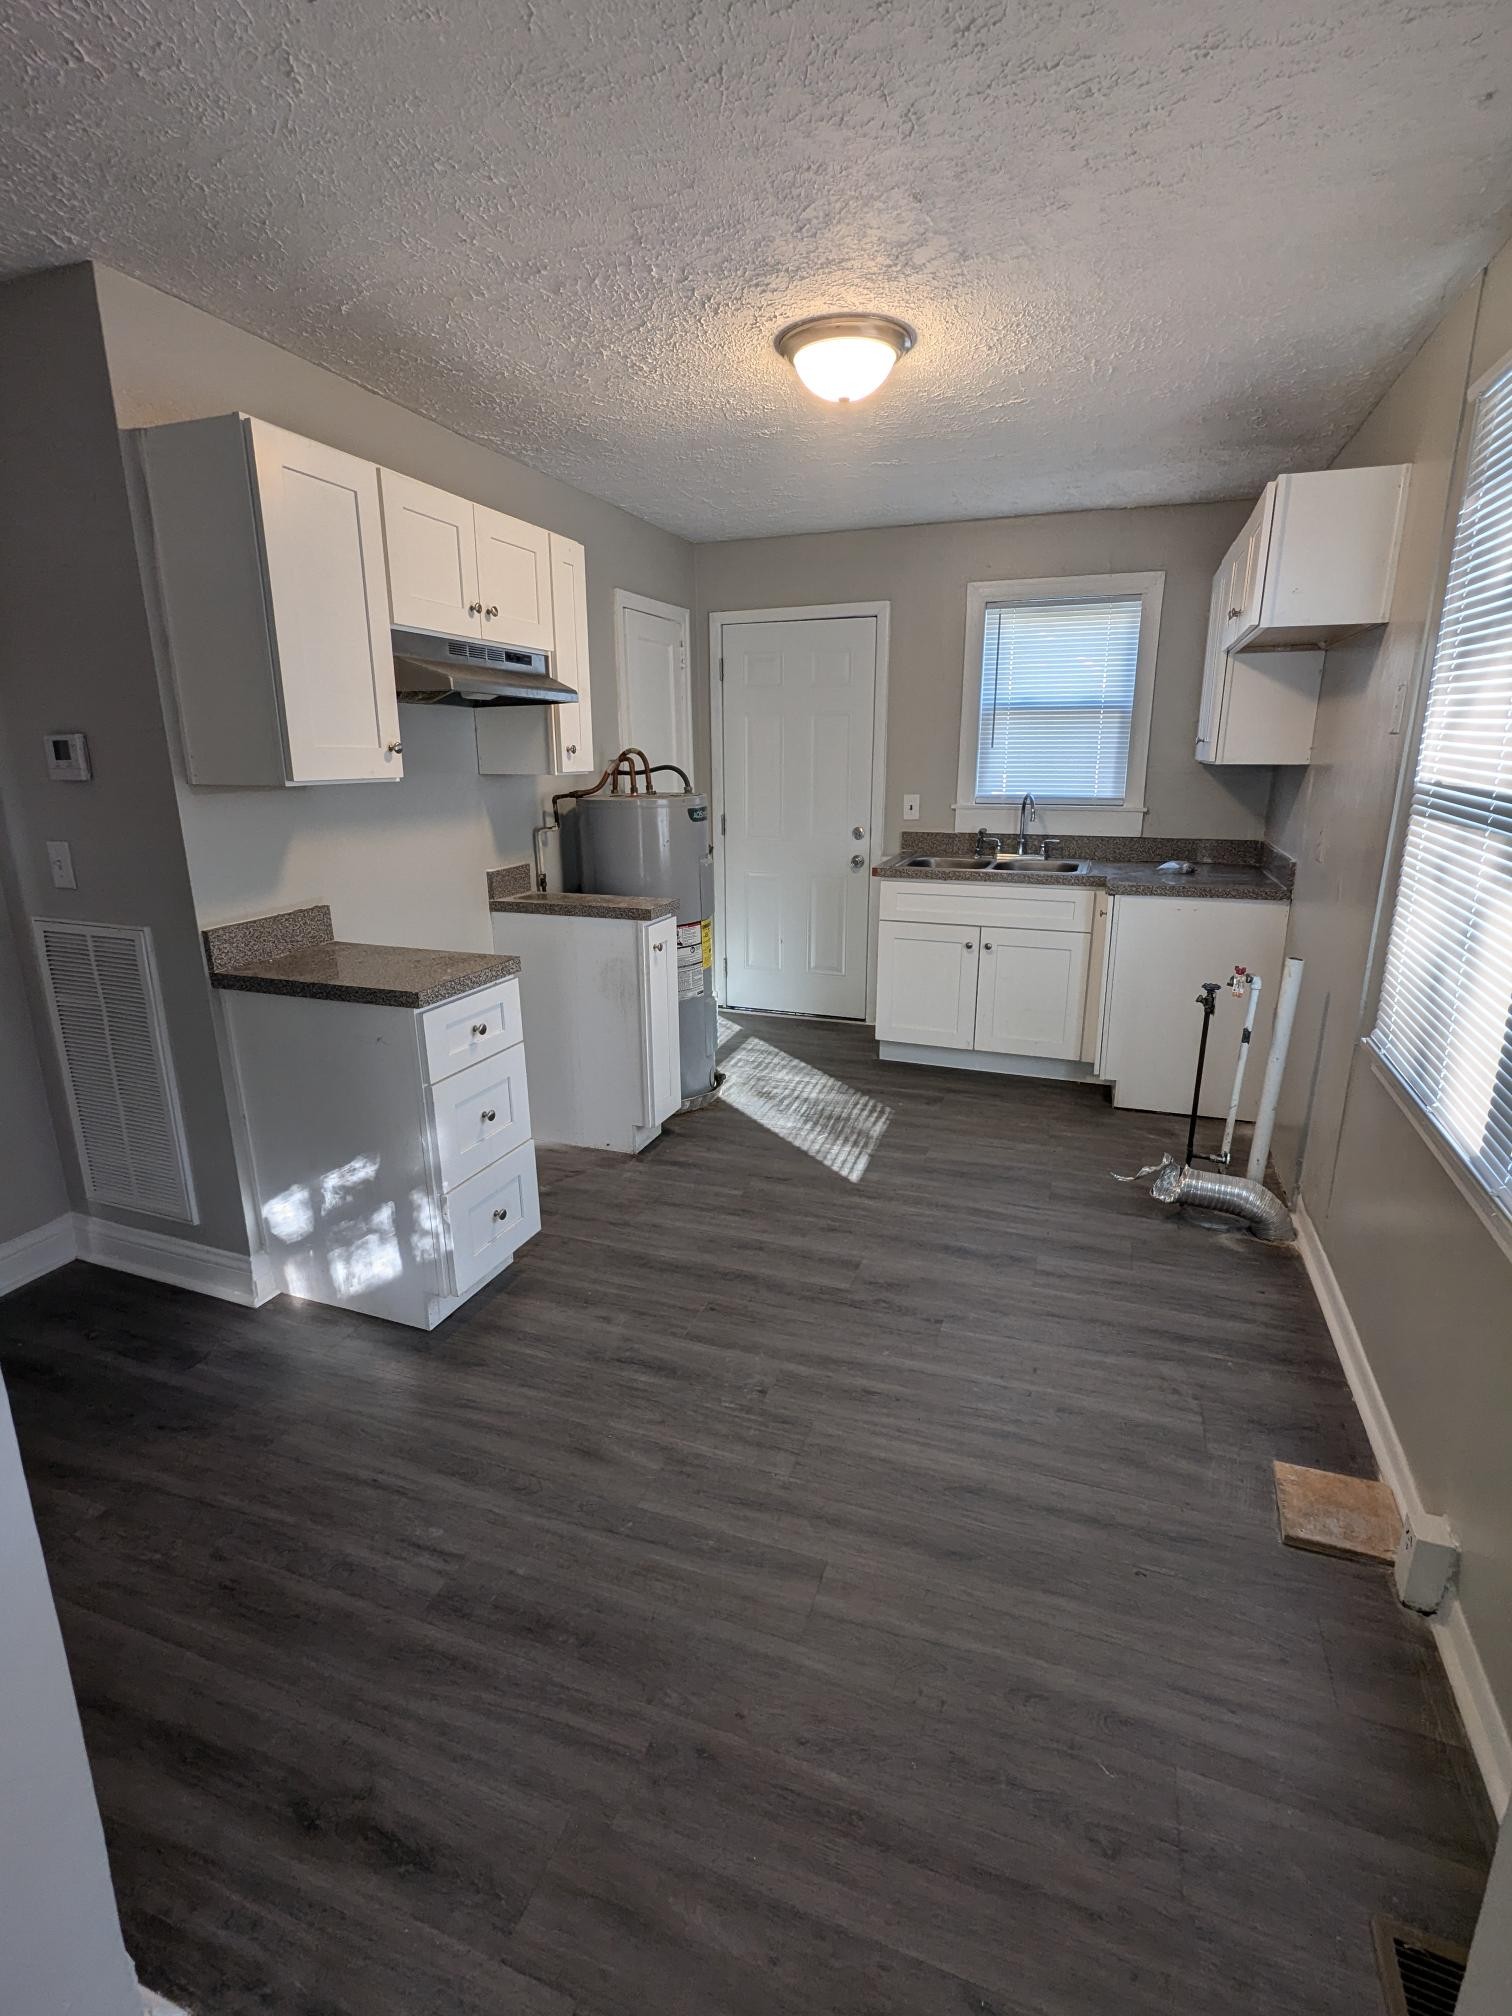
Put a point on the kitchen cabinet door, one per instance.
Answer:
(514, 580)
(432, 552)
(1214, 669)
(322, 538)
(663, 1046)
(572, 720)
(1031, 992)
(927, 984)
(1246, 582)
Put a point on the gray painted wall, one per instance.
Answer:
(1428, 1287)
(60, 1939)
(75, 653)
(402, 863)
(32, 1189)
(923, 570)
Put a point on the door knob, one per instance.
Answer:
(858, 860)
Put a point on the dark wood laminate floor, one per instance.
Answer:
(779, 1596)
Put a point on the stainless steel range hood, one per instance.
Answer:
(437, 671)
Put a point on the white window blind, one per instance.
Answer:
(1445, 1022)
(1057, 697)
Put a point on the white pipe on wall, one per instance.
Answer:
(1251, 1006)
(1275, 1067)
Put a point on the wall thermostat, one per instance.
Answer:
(67, 757)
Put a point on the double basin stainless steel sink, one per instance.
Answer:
(995, 864)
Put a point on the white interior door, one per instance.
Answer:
(799, 706)
(655, 695)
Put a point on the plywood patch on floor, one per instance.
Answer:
(1354, 1517)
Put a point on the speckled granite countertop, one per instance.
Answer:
(295, 952)
(563, 903)
(510, 894)
(1123, 878)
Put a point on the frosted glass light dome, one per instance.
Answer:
(843, 358)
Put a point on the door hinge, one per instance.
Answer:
(721, 671)
(724, 824)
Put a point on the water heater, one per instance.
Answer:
(657, 843)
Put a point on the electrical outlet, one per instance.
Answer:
(60, 864)
(910, 804)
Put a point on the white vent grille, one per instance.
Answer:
(108, 1020)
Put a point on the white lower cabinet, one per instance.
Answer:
(601, 1024)
(1031, 992)
(392, 1160)
(1160, 950)
(1074, 983)
(995, 970)
(927, 984)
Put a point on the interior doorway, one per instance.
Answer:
(653, 678)
(798, 718)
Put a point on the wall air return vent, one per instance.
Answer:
(108, 1020)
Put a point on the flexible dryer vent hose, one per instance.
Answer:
(1264, 1213)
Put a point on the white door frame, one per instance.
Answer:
(626, 598)
(882, 611)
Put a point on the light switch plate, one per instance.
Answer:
(60, 864)
(910, 804)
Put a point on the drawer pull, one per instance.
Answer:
(480, 1028)
(501, 1214)
(489, 1115)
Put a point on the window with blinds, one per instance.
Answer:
(1057, 697)
(1445, 1019)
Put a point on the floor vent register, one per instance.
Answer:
(1420, 1975)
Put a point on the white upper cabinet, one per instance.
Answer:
(432, 558)
(572, 720)
(1314, 562)
(273, 604)
(462, 570)
(514, 580)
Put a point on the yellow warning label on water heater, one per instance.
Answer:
(708, 941)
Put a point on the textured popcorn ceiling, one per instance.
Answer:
(1154, 250)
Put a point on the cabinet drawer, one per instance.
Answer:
(481, 1114)
(1041, 906)
(462, 1032)
(490, 1216)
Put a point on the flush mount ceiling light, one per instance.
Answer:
(843, 358)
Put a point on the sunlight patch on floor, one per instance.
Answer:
(821, 1115)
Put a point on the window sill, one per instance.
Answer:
(1442, 1149)
(1001, 815)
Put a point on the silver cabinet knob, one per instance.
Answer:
(985, 946)
(475, 608)
(572, 748)
(490, 612)
(858, 860)
(971, 945)
(660, 945)
(1235, 612)
(858, 832)
(396, 748)
(480, 1028)
(489, 1115)
(501, 1214)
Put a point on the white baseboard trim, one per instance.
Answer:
(1483, 1720)
(1484, 1723)
(37, 1252)
(230, 1277)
